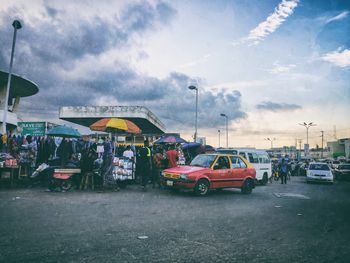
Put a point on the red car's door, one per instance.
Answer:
(221, 172)
(238, 172)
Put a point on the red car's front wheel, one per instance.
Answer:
(202, 187)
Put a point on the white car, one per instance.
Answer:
(320, 172)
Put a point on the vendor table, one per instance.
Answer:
(13, 172)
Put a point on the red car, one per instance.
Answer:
(212, 171)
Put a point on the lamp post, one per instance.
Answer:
(196, 120)
(224, 115)
(271, 140)
(219, 137)
(16, 25)
(307, 126)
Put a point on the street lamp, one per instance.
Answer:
(16, 25)
(224, 115)
(271, 140)
(307, 126)
(196, 120)
(219, 137)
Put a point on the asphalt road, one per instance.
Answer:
(296, 222)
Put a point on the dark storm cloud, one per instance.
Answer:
(273, 106)
(50, 47)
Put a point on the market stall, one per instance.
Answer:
(121, 169)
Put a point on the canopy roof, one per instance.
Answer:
(87, 115)
(20, 87)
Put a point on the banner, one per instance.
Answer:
(32, 128)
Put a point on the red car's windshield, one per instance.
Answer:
(203, 160)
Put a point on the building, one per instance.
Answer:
(20, 87)
(340, 147)
(150, 125)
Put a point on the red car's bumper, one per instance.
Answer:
(177, 183)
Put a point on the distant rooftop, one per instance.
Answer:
(87, 115)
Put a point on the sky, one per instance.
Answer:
(268, 65)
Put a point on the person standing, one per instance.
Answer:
(283, 170)
(172, 156)
(144, 164)
(107, 149)
(128, 153)
(157, 166)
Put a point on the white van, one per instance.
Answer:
(258, 158)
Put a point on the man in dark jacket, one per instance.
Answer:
(283, 170)
(144, 164)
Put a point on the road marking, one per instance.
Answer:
(291, 195)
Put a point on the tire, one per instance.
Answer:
(247, 186)
(202, 187)
(66, 185)
(264, 180)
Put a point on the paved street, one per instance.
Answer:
(296, 222)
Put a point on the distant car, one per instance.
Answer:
(333, 163)
(319, 172)
(342, 172)
(212, 171)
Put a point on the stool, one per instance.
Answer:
(87, 180)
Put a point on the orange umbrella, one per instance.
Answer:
(115, 125)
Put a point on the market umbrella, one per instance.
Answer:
(190, 145)
(63, 131)
(169, 139)
(115, 125)
(209, 148)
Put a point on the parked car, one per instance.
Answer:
(212, 171)
(259, 159)
(342, 172)
(320, 172)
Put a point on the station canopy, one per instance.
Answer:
(87, 115)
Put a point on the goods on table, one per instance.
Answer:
(123, 169)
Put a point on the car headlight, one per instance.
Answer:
(183, 176)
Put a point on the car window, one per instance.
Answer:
(319, 167)
(225, 151)
(222, 163)
(253, 158)
(203, 160)
(344, 167)
(242, 163)
(263, 158)
(235, 162)
(242, 154)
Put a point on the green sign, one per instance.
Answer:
(32, 128)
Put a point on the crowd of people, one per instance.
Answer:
(41, 155)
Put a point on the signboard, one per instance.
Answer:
(32, 128)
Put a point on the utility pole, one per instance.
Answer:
(16, 25)
(322, 144)
(219, 137)
(307, 126)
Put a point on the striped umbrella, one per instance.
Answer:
(115, 125)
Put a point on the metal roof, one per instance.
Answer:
(87, 115)
(20, 87)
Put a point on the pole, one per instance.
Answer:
(16, 25)
(307, 126)
(322, 144)
(219, 137)
(226, 132)
(195, 133)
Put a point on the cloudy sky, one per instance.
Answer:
(268, 65)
